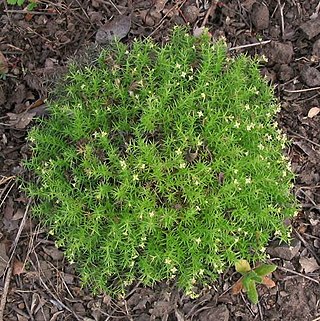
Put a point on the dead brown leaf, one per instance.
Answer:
(3, 64)
(314, 111)
(309, 265)
(159, 5)
(21, 121)
(237, 287)
(117, 28)
(18, 268)
(268, 282)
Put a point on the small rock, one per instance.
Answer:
(191, 13)
(260, 16)
(316, 49)
(220, 313)
(310, 76)
(281, 53)
(311, 28)
(284, 251)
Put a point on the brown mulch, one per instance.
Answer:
(36, 282)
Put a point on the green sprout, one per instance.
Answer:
(252, 276)
(161, 162)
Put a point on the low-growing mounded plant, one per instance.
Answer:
(162, 162)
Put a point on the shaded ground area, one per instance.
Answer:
(36, 282)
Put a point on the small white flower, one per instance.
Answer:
(247, 107)
(182, 165)
(198, 208)
(200, 114)
(260, 146)
(236, 124)
(190, 77)
(235, 171)
(151, 214)
(167, 261)
(284, 173)
(142, 166)
(268, 137)
(178, 66)
(236, 182)
(201, 271)
(135, 177)
(248, 180)
(183, 74)
(203, 95)
(123, 164)
(198, 240)
(178, 151)
(174, 270)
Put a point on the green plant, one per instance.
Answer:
(252, 276)
(31, 3)
(160, 162)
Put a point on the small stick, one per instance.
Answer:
(10, 188)
(305, 138)
(297, 273)
(5, 179)
(31, 12)
(5, 293)
(23, 221)
(282, 18)
(209, 12)
(177, 5)
(301, 90)
(309, 248)
(250, 45)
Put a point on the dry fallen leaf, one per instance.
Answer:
(3, 64)
(309, 265)
(21, 121)
(18, 268)
(117, 28)
(268, 282)
(159, 5)
(238, 286)
(314, 111)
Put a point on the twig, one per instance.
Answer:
(260, 312)
(177, 5)
(30, 12)
(308, 247)
(301, 90)
(305, 138)
(282, 17)
(54, 296)
(209, 12)
(5, 292)
(10, 188)
(297, 273)
(5, 179)
(23, 221)
(260, 43)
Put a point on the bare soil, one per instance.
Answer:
(37, 283)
